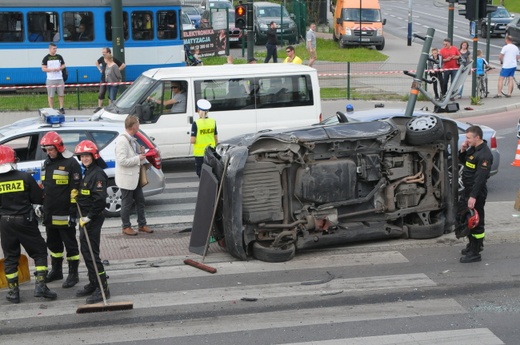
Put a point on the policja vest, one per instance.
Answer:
(205, 136)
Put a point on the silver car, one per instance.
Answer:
(24, 137)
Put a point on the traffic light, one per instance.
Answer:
(240, 16)
(471, 6)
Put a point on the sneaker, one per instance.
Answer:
(62, 111)
(97, 109)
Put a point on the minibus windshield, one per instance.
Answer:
(134, 93)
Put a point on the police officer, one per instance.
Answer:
(203, 133)
(92, 201)
(61, 174)
(18, 225)
(477, 159)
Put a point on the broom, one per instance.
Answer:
(100, 307)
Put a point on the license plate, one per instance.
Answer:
(233, 39)
(365, 40)
(500, 27)
(278, 30)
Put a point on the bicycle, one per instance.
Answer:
(506, 83)
(482, 83)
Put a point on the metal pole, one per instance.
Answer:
(409, 42)
(118, 35)
(451, 9)
(414, 91)
(475, 47)
(488, 38)
(250, 37)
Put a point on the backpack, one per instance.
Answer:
(65, 74)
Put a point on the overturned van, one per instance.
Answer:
(325, 185)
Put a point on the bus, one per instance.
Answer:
(80, 29)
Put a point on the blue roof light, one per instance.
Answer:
(52, 116)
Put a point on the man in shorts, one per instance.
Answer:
(311, 43)
(508, 57)
(53, 64)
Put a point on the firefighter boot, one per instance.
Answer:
(41, 289)
(473, 254)
(72, 278)
(89, 288)
(97, 297)
(56, 272)
(465, 250)
(13, 295)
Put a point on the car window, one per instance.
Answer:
(72, 138)
(103, 138)
(26, 147)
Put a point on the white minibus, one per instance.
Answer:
(244, 99)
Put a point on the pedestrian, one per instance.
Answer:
(272, 42)
(112, 76)
(476, 158)
(464, 60)
(60, 174)
(450, 55)
(101, 66)
(129, 158)
(434, 70)
(311, 44)
(291, 56)
(91, 200)
(508, 57)
(203, 133)
(19, 227)
(178, 101)
(53, 64)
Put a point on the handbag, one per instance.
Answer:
(143, 177)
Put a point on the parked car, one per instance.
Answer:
(499, 20)
(513, 30)
(193, 14)
(186, 22)
(490, 135)
(323, 185)
(24, 137)
(266, 12)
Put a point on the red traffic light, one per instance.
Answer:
(240, 11)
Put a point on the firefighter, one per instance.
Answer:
(477, 159)
(92, 201)
(61, 174)
(18, 225)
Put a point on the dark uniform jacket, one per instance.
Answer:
(18, 191)
(477, 163)
(271, 36)
(92, 195)
(59, 176)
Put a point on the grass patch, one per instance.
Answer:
(32, 100)
(341, 93)
(511, 5)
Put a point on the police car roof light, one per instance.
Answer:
(52, 117)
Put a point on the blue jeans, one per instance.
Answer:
(127, 198)
(112, 92)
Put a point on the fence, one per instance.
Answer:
(371, 81)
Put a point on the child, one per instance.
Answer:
(482, 65)
(196, 55)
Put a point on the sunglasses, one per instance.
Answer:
(288, 51)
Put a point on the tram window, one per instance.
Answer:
(78, 26)
(168, 24)
(11, 26)
(142, 25)
(108, 25)
(43, 26)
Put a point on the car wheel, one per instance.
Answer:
(264, 252)
(423, 130)
(113, 207)
(421, 232)
(381, 46)
(255, 36)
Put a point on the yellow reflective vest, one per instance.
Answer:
(205, 136)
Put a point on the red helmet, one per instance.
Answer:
(87, 146)
(472, 218)
(52, 139)
(7, 155)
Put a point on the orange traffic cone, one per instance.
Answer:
(516, 162)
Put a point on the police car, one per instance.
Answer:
(24, 137)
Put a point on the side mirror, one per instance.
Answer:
(338, 21)
(384, 21)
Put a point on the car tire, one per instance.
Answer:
(422, 232)
(264, 252)
(381, 46)
(113, 206)
(423, 130)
